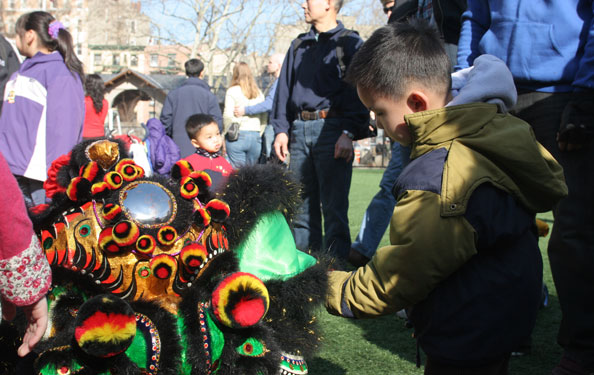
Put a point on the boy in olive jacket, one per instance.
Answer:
(464, 257)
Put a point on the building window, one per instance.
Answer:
(132, 26)
(154, 60)
(79, 50)
(97, 59)
(116, 59)
(24, 4)
(11, 4)
(79, 3)
(53, 4)
(171, 59)
(41, 4)
(133, 60)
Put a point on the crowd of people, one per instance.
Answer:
(489, 107)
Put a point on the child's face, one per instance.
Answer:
(389, 114)
(209, 138)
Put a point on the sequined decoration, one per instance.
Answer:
(204, 332)
(147, 326)
(292, 364)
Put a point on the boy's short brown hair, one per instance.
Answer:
(399, 54)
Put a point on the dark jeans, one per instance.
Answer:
(571, 246)
(326, 183)
(32, 190)
(380, 209)
(498, 367)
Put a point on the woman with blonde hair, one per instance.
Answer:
(244, 149)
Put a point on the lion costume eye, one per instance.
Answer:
(252, 348)
(63, 370)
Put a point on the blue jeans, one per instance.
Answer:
(326, 184)
(380, 209)
(571, 245)
(245, 150)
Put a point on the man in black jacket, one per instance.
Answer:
(192, 97)
(316, 116)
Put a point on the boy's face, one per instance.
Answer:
(389, 114)
(208, 138)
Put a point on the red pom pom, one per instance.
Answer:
(89, 171)
(125, 233)
(106, 241)
(162, 266)
(180, 169)
(218, 210)
(114, 180)
(146, 244)
(188, 189)
(166, 235)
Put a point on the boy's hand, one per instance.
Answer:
(577, 122)
(344, 148)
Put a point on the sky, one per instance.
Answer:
(275, 11)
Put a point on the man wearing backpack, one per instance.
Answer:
(316, 116)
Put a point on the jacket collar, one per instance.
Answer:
(311, 35)
(437, 126)
(197, 82)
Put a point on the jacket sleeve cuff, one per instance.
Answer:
(336, 303)
(26, 277)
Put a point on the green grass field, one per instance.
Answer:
(385, 346)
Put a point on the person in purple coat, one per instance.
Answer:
(43, 110)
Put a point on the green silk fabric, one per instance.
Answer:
(269, 251)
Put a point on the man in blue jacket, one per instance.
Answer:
(192, 97)
(315, 117)
(549, 48)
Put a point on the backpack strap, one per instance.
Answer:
(340, 44)
(296, 43)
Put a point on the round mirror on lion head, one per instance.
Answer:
(148, 204)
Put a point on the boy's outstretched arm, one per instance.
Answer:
(427, 248)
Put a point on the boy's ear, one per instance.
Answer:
(195, 143)
(417, 101)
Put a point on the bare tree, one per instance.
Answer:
(221, 32)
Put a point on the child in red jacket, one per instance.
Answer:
(205, 136)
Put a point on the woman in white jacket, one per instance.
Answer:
(243, 92)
